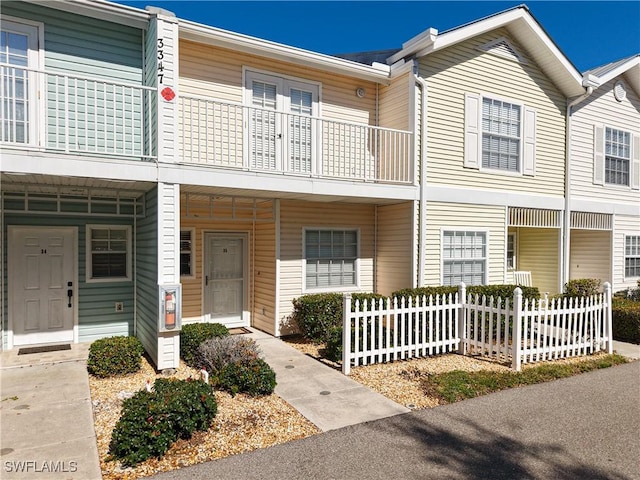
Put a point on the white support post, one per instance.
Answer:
(516, 362)
(608, 317)
(461, 326)
(346, 334)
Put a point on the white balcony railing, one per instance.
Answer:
(230, 135)
(74, 114)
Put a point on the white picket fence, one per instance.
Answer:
(512, 330)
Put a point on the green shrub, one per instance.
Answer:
(630, 293)
(626, 320)
(114, 356)
(317, 314)
(495, 291)
(152, 421)
(193, 334)
(254, 377)
(216, 353)
(582, 287)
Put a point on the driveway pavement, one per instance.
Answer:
(583, 427)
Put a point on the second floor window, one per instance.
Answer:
(617, 157)
(500, 135)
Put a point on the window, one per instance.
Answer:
(18, 53)
(464, 257)
(108, 253)
(187, 267)
(632, 256)
(617, 157)
(511, 250)
(500, 135)
(331, 258)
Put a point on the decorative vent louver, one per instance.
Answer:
(503, 48)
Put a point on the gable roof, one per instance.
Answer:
(629, 66)
(522, 26)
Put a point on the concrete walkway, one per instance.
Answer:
(323, 395)
(46, 417)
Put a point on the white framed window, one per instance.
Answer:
(617, 160)
(511, 251)
(331, 258)
(187, 253)
(632, 256)
(500, 135)
(108, 253)
(464, 257)
(20, 56)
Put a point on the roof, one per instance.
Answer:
(368, 58)
(629, 66)
(522, 26)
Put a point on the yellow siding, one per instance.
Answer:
(539, 254)
(216, 72)
(590, 255)
(394, 238)
(395, 111)
(297, 215)
(442, 216)
(624, 225)
(463, 69)
(601, 108)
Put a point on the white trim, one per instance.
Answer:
(624, 257)
(100, 9)
(337, 288)
(192, 233)
(276, 313)
(88, 253)
(466, 230)
(616, 72)
(10, 268)
(451, 194)
(604, 206)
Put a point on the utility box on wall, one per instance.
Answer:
(170, 312)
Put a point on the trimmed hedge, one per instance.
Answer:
(495, 291)
(582, 287)
(114, 356)
(254, 377)
(626, 320)
(193, 334)
(152, 421)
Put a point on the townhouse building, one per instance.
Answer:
(156, 170)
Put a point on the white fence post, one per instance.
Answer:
(608, 317)
(346, 333)
(516, 362)
(462, 298)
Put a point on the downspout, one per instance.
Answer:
(567, 185)
(422, 214)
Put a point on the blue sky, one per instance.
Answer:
(590, 33)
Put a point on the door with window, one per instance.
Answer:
(18, 54)
(281, 127)
(42, 284)
(225, 279)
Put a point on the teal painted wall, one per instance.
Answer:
(147, 275)
(97, 317)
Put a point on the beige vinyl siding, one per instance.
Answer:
(394, 106)
(624, 225)
(458, 216)
(394, 249)
(463, 69)
(263, 316)
(590, 255)
(217, 73)
(295, 216)
(603, 109)
(539, 254)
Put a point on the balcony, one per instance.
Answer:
(61, 113)
(234, 136)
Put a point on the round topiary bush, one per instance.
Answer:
(114, 356)
(254, 377)
(152, 421)
(193, 334)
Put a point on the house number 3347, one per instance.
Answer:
(160, 59)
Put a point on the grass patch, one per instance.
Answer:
(458, 385)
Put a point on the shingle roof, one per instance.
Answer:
(609, 67)
(368, 58)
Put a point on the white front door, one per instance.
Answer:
(224, 276)
(41, 274)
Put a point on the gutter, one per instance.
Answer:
(590, 83)
(422, 214)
